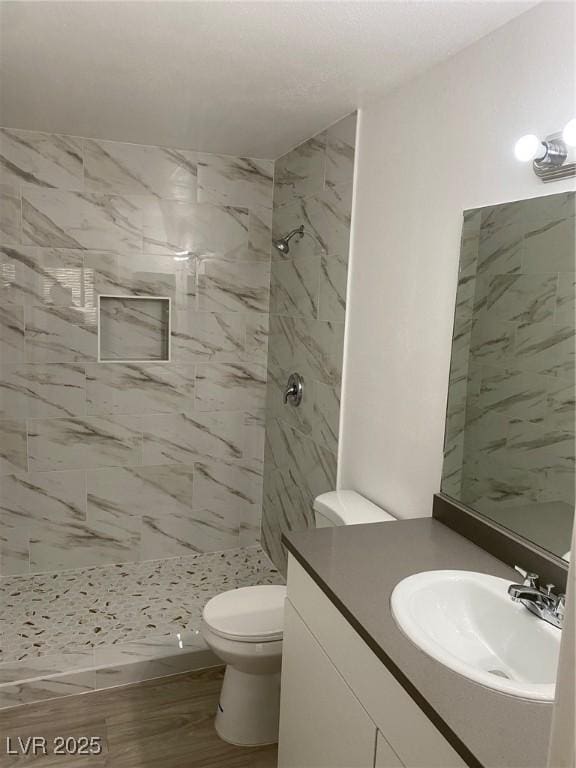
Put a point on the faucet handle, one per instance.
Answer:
(529, 579)
(561, 608)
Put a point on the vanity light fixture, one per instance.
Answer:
(552, 158)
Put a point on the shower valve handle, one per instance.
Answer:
(294, 390)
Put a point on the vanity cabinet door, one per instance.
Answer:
(322, 723)
(385, 755)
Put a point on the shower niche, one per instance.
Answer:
(134, 329)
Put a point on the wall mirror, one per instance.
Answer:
(509, 450)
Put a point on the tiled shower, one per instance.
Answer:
(137, 287)
(313, 187)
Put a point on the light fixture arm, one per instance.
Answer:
(555, 154)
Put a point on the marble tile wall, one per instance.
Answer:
(313, 187)
(510, 438)
(113, 462)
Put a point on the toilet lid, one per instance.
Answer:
(253, 614)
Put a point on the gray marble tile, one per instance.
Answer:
(466, 300)
(14, 549)
(36, 391)
(328, 217)
(493, 482)
(151, 658)
(260, 234)
(57, 334)
(165, 647)
(134, 329)
(251, 527)
(556, 239)
(546, 348)
(44, 666)
(287, 506)
(301, 172)
(452, 468)
(295, 285)
(230, 387)
(31, 275)
(125, 275)
(115, 167)
(522, 298)
(104, 537)
(501, 246)
(514, 393)
(458, 400)
(332, 291)
(288, 217)
(316, 418)
(257, 330)
(273, 526)
(486, 432)
(307, 466)
(53, 496)
(313, 347)
(566, 299)
(255, 435)
(163, 490)
(469, 253)
(10, 214)
(231, 489)
(96, 441)
(230, 287)
(47, 688)
(540, 447)
(181, 438)
(201, 336)
(539, 212)
(12, 446)
(226, 180)
(301, 470)
(560, 403)
(491, 341)
(11, 332)
(326, 416)
(340, 144)
(41, 159)
(59, 219)
(201, 530)
(176, 228)
(139, 388)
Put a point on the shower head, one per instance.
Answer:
(282, 244)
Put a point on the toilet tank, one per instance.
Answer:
(346, 508)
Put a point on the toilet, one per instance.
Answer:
(244, 627)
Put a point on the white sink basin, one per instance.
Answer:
(468, 622)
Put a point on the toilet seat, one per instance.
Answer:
(249, 614)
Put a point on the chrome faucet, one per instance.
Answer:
(543, 603)
(294, 390)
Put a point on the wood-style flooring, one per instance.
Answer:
(164, 723)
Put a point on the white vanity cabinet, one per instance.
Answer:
(323, 723)
(340, 707)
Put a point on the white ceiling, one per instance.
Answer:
(242, 78)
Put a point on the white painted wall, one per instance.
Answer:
(439, 145)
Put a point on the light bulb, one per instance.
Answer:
(527, 148)
(569, 133)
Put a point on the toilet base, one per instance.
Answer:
(249, 709)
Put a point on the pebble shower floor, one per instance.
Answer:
(63, 633)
